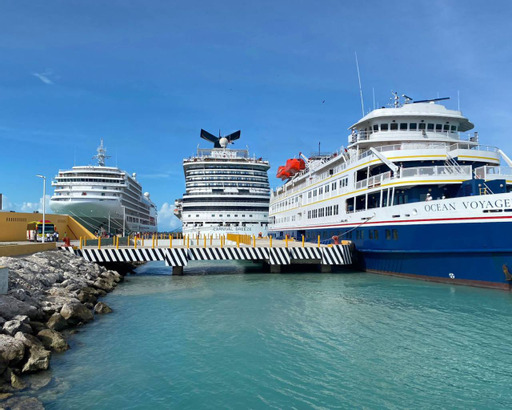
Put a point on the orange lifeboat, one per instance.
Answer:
(293, 166)
(282, 173)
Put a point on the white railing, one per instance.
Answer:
(488, 172)
(459, 145)
(462, 170)
(374, 181)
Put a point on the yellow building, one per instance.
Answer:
(13, 226)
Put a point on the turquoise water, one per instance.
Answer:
(289, 341)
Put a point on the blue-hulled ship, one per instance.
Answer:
(415, 193)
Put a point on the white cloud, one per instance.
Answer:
(166, 219)
(44, 77)
(29, 206)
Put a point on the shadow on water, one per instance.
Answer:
(201, 268)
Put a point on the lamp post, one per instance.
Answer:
(44, 204)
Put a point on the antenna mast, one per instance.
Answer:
(360, 88)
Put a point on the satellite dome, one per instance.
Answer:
(223, 142)
(146, 194)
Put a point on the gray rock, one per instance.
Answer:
(104, 284)
(11, 351)
(38, 359)
(87, 294)
(75, 313)
(12, 327)
(28, 340)
(10, 307)
(16, 381)
(39, 380)
(22, 318)
(2, 321)
(53, 340)
(57, 322)
(102, 308)
(37, 326)
(24, 403)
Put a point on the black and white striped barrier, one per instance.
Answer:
(336, 255)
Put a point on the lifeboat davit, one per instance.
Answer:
(292, 167)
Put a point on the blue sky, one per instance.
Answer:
(148, 75)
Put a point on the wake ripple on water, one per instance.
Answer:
(300, 341)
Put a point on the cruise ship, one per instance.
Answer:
(104, 199)
(227, 191)
(415, 193)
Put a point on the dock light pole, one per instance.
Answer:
(44, 204)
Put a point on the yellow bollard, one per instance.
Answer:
(211, 240)
(188, 241)
(319, 241)
(81, 243)
(85, 241)
(153, 243)
(238, 241)
(254, 241)
(205, 241)
(99, 242)
(270, 237)
(117, 241)
(135, 242)
(303, 241)
(128, 241)
(286, 241)
(170, 241)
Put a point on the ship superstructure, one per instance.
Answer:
(227, 191)
(414, 195)
(104, 199)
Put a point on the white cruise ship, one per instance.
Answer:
(416, 195)
(104, 199)
(227, 191)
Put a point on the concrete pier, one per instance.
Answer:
(178, 253)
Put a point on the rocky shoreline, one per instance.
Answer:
(50, 294)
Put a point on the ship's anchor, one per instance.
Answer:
(508, 276)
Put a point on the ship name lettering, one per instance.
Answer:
(496, 204)
(440, 207)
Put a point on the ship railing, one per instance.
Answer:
(374, 181)
(474, 147)
(490, 172)
(461, 170)
(366, 135)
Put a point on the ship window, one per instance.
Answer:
(375, 127)
(213, 215)
(371, 234)
(376, 234)
(413, 126)
(335, 209)
(333, 186)
(197, 216)
(320, 191)
(327, 188)
(403, 126)
(395, 234)
(454, 128)
(314, 192)
(439, 127)
(236, 216)
(383, 127)
(388, 234)
(422, 126)
(394, 126)
(446, 127)
(430, 127)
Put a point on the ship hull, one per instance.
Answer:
(97, 216)
(220, 231)
(472, 253)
